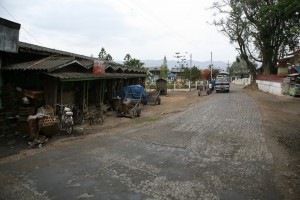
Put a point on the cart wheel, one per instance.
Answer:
(138, 114)
(158, 101)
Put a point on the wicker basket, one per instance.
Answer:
(47, 121)
(46, 110)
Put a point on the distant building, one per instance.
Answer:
(155, 71)
(289, 64)
(178, 72)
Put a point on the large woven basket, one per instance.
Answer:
(47, 121)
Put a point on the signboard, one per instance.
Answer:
(98, 68)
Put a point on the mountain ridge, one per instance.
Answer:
(174, 64)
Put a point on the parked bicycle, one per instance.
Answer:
(65, 116)
(77, 114)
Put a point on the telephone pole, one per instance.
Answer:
(211, 66)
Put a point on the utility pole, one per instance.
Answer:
(211, 66)
(190, 70)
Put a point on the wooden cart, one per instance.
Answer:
(129, 107)
(95, 116)
(153, 98)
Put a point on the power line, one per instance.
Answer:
(22, 27)
(161, 22)
(147, 14)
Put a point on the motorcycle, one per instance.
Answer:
(65, 116)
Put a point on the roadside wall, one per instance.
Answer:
(272, 84)
(243, 81)
(270, 87)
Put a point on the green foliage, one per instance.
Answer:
(195, 74)
(127, 57)
(239, 67)
(191, 74)
(263, 30)
(164, 69)
(104, 56)
(128, 60)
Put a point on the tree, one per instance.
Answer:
(128, 60)
(263, 30)
(206, 73)
(104, 56)
(164, 69)
(191, 74)
(108, 57)
(195, 74)
(238, 68)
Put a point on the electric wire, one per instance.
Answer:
(22, 27)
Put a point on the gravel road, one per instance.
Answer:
(214, 150)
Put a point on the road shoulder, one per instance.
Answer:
(281, 117)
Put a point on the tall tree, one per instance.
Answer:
(127, 57)
(108, 57)
(191, 74)
(164, 69)
(102, 54)
(238, 68)
(135, 63)
(263, 30)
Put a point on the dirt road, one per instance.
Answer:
(223, 146)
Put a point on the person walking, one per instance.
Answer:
(210, 86)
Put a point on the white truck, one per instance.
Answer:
(222, 83)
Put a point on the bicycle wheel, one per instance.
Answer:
(69, 128)
(79, 117)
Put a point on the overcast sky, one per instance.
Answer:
(146, 29)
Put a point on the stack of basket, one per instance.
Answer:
(48, 124)
(25, 125)
(32, 128)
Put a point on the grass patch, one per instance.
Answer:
(148, 119)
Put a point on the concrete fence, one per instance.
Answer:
(273, 84)
(270, 87)
(242, 81)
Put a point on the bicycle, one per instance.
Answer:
(65, 116)
(77, 114)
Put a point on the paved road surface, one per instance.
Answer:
(214, 150)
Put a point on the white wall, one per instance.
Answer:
(243, 81)
(270, 87)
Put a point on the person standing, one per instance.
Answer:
(210, 86)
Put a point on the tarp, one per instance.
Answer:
(297, 68)
(133, 92)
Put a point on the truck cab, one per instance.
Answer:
(222, 83)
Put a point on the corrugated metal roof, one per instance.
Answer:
(23, 46)
(73, 76)
(58, 59)
(49, 64)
